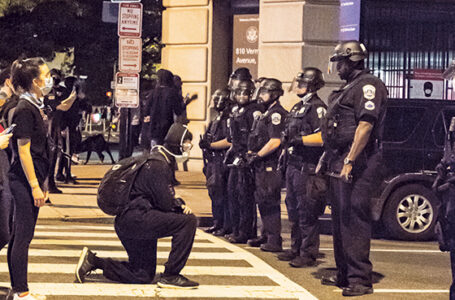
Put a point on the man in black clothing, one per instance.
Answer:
(263, 152)
(164, 103)
(153, 212)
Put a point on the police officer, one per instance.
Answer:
(240, 182)
(303, 209)
(214, 146)
(263, 145)
(351, 131)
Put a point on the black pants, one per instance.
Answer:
(217, 176)
(268, 198)
(5, 201)
(303, 213)
(139, 230)
(351, 221)
(241, 202)
(25, 216)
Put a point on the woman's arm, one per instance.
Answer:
(27, 165)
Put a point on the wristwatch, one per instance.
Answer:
(347, 161)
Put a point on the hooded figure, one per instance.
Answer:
(152, 212)
(164, 103)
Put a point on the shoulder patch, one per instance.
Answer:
(321, 112)
(369, 91)
(369, 105)
(276, 118)
(302, 110)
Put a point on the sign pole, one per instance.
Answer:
(130, 63)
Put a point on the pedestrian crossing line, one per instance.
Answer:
(151, 290)
(123, 254)
(398, 250)
(108, 243)
(83, 234)
(262, 266)
(81, 227)
(404, 291)
(188, 270)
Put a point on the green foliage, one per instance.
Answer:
(43, 27)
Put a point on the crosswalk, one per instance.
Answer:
(224, 270)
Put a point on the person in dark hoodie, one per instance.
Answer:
(160, 110)
(153, 211)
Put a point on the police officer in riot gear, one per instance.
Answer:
(214, 145)
(445, 185)
(351, 131)
(240, 182)
(263, 153)
(303, 209)
(239, 74)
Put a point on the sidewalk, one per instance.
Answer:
(79, 201)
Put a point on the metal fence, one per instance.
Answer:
(405, 35)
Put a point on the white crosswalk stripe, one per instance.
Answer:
(54, 244)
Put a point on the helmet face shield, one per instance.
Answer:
(298, 86)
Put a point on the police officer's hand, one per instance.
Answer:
(204, 144)
(346, 173)
(296, 141)
(252, 157)
(186, 209)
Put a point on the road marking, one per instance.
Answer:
(123, 254)
(108, 243)
(411, 291)
(263, 267)
(188, 270)
(397, 250)
(151, 290)
(83, 234)
(82, 227)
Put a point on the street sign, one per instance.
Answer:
(130, 55)
(130, 20)
(126, 90)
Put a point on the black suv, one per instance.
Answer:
(413, 145)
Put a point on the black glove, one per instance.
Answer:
(204, 144)
(295, 141)
(177, 205)
(252, 157)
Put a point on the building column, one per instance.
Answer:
(297, 34)
(196, 35)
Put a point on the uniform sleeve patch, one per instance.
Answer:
(276, 118)
(321, 112)
(369, 91)
(369, 105)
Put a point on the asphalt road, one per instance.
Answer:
(403, 270)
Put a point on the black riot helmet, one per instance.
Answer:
(354, 50)
(234, 79)
(244, 92)
(270, 86)
(310, 78)
(220, 98)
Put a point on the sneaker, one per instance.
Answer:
(177, 282)
(84, 266)
(28, 296)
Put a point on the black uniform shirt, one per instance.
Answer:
(153, 183)
(240, 124)
(270, 125)
(30, 125)
(304, 119)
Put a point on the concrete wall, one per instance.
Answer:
(294, 34)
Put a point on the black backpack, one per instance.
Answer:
(115, 187)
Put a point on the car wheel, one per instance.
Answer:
(410, 213)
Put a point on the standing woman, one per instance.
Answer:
(30, 168)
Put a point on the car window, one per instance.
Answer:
(440, 128)
(400, 122)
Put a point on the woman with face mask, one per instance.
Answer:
(32, 81)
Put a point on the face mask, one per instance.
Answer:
(48, 84)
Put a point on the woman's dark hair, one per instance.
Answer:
(23, 71)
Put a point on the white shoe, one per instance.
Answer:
(29, 296)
